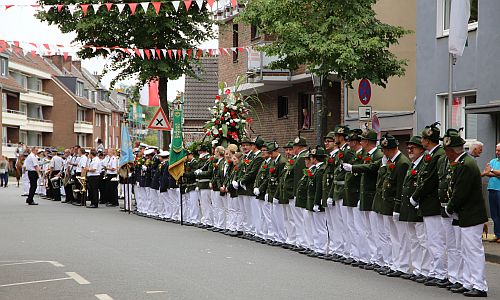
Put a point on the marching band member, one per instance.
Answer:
(54, 169)
(93, 175)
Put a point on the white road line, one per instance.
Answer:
(54, 263)
(103, 297)
(37, 281)
(77, 278)
(155, 292)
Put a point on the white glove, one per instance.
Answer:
(256, 192)
(144, 168)
(197, 172)
(384, 160)
(395, 216)
(210, 185)
(316, 208)
(359, 204)
(243, 186)
(347, 167)
(413, 202)
(197, 189)
(455, 216)
(276, 201)
(235, 185)
(329, 201)
(446, 211)
(266, 197)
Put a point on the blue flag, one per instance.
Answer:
(126, 152)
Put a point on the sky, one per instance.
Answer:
(19, 24)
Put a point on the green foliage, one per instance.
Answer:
(338, 36)
(151, 140)
(168, 30)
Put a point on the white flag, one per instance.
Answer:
(459, 26)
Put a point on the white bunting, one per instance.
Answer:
(199, 3)
(73, 9)
(96, 7)
(175, 53)
(142, 52)
(145, 6)
(153, 54)
(176, 5)
(120, 7)
(46, 8)
(164, 51)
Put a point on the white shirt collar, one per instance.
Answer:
(460, 156)
(268, 160)
(257, 152)
(393, 159)
(301, 152)
(359, 150)
(319, 164)
(334, 151)
(277, 157)
(373, 150)
(432, 150)
(417, 161)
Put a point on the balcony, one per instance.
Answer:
(14, 117)
(258, 68)
(9, 150)
(33, 124)
(83, 127)
(37, 97)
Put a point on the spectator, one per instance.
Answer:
(475, 149)
(4, 171)
(492, 170)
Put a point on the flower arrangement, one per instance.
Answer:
(230, 117)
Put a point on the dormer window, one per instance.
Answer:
(79, 89)
(4, 67)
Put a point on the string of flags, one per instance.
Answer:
(88, 8)
(45, 49)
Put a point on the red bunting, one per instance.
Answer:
(84, 8)
(187, 3)
(59, 7)
(199, 53)
(146, 51)
(189, 51)
(137, 52)
(158, 53)
(8, 6)
(179, 53)
(170, 53)
(108, 6)
(210, 3)
(132, 7)
(46, 46)
(66, 54)
(157, 6)
(234, 3)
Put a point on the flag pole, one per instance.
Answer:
(449, 107)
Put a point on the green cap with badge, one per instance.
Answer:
(272, 146)
(330, 135)
(355, 134)
(246, 140)
(432, 132)
(416, 140)
(452, 138)
(288, 145)
(204, 147)
(300, 141)
(388, 142)
(318, 151)
(369, 135)
(342, 130)
(259, 142)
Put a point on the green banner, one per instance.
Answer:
(177, 151)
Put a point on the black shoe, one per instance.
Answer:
(431, 282)
(389, 271)
(420, 279)
(436, 282)
(369, 267)
(454, 286)
(459, 290)
(381, 269)
(92, 206)
(32, 203)
(407, 276)
(444, 283)
(395, 274)
(111, 205)
(475, 293)
(313, 254)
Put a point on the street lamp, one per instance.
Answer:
(317, 80)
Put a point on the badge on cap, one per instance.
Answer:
(384, 142)
(446, 140)
(340, 130)
(429, 131)
(297, 139)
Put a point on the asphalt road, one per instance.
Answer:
(59, 251)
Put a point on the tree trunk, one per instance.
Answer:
(164, 105)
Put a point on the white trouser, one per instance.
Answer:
(291, 213)
(240, 213)
(473, 253)
(63, 191)
(279, 222)
(267, 211)
(352, 232)
(335, 228)
(424, 265)
(384, 249)
(256, 214)
(458, 240)
(160, 210)
(347, 240)
(225, 204)
(25, 181)
(400, 228)
(218, 210)
(139, 198)
(308, 225)
(121, 190)
(193, 207)
(361, 228)
(319, 232)
(410, 252)
(247, 214)
(167, 211)
(153, 202)
(453, 254)
(262, 230)
(436, 245)
(127, 193)
(206, 207)
(232, 204)
(299, 223)
(175, 203)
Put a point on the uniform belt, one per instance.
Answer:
(338, 182)
(203, 180)
(444, 204)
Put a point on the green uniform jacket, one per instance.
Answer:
(466, 190)
(276, 171)
(261, 179)
(301, 196)
(393, 184)
(352, 181)
(315, 188)
(426, 194)
(221, 179)
(216, 174)
(407, 212)
(298, 168)
(203, 179)
(232, 175)
(190, 179)
(249, 173)
(379, 189)
(368, 182)
(328, 179)
(339, 174)
(444, 175)
(284, 191)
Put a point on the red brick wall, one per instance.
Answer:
(63, 116)
(229, 71)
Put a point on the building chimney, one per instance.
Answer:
(78, 65)
(60, 62)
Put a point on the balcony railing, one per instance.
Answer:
(83, 122)
(17, 112)
(40, 93)
(258, 65)
(39, 120)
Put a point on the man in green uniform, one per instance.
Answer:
(467, 202)
(299, 165)
(259, 190)
(203, 177)
(276, 169)
(217, 204)
(284, 194)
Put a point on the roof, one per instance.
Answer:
(35, 62)
(199, 93)
(10, 84)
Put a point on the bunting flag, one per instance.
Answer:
(150, 93)
(177, 152)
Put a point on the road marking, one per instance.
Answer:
(37, 281)
(77, 278)
(103, 297)
(155, 292)
(54, 263)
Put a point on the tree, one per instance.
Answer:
(143, 30)
(330, 36)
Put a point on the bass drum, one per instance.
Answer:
(56, 182)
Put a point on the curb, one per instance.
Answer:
(492, 258)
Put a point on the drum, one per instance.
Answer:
(56, 182)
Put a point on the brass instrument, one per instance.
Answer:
(56, 182)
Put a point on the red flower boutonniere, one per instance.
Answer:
(309, 173)
(235, 168)
(264, 167)
(246, 161)
(330, 160)
(272, 170)
(360, 157)
(454, 164)
(291, 161)
(427, 158)
(413, 172)
(368, 159)
(341, 155)
(211, 158)
(229, 161)
(391, 166)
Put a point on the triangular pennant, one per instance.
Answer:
(46, 46)
(233, 49)
(158, 53)
(72, 9)
(234, 3)
(25, 51)
(199, 3)
(145, 6)
(59, 7)
(152, 53)
(108, 6)
(120, 7)
(180, 54)
(199, 53)
(210, 52)
(170, 53)
(189, 51)
(33, 53)
(175, 54)
(157, 6)
(210, 3)
(147, 53)
(84, 8)
(240, 49)
(176, 5)
(133, 7)
(137, 52)
(47, 8)
(187, 3)
(8, 6)
(65, 54)
(96, 7)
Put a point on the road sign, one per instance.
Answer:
(364, 91)
(365, 113)
(159, 121)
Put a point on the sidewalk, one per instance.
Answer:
(491, 250)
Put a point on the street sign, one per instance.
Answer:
(159, 121)
(365, 113)
(364, 91)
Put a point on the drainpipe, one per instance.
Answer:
(346, 102)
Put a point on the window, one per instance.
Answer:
(23, 107)
(305, 118)
(4, 101)
(81, 139)
(23, 137)
(444, 8)
(117, 119)
(98, 120)
(4, 135)
(4, 67)
(235, 42)
(79, 89)
(282, 107)
(80, 115)
(39, 85)
(254, 32)
(39, 141)
(459, 118)
(86, 94)
(39, 114)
